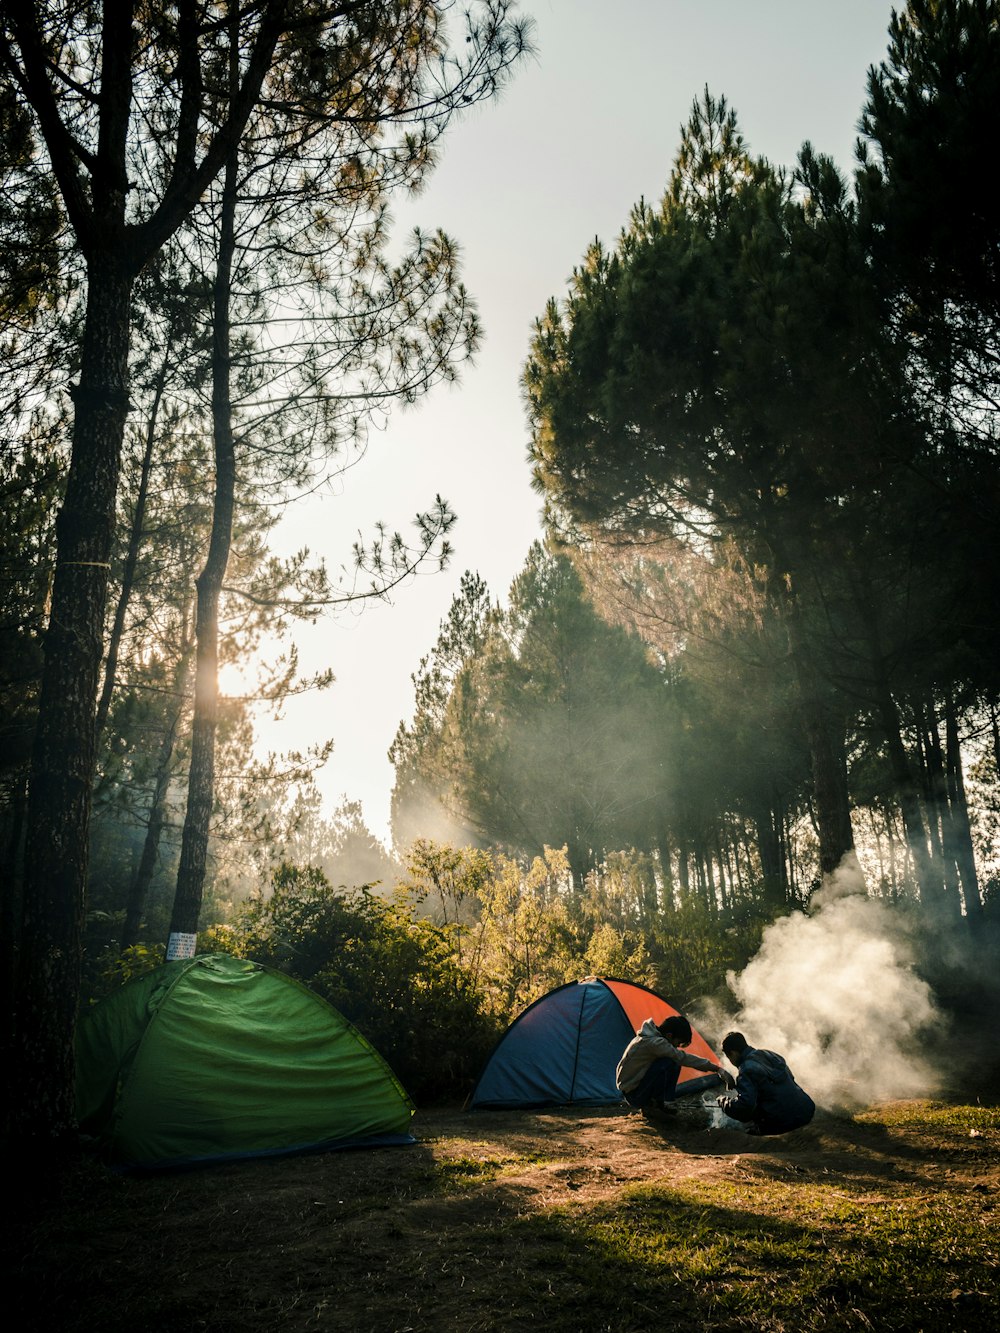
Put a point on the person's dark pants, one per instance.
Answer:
(657, 1085)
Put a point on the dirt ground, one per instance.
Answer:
(423, 1238)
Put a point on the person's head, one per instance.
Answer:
(735, 1047)
(676, 1029)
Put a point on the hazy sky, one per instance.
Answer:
(588, 125)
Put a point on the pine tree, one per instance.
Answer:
(136, 125)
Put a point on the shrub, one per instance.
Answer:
(393, 974)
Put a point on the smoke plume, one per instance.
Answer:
(835, 992)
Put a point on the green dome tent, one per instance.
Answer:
(214, 1057)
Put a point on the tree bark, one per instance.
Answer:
(767, 823)
(666, 873)
(824, 730)
(139, 888)
(961, 831)
(191, 871)
(11, 899)
(132, 554)
(945, 881)
(56, 843)
(684, 872)
(930, 883)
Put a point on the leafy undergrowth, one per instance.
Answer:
(572, 1221)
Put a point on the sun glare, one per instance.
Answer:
(238, 680)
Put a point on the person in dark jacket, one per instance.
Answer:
(766, 1095)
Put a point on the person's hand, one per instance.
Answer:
(727, 1078)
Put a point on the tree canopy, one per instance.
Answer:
(740, 372)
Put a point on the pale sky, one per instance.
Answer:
(588, 125)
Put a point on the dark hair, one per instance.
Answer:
(676, 1027)
(734, 1041)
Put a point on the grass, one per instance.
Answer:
(770, 1257)
(930, 1115)
(465, 1164)
(581, 1224)
(791, 1256)
(761, 1253)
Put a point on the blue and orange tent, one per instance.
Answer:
(564, 1048)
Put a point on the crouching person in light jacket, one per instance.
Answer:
(649, 1068)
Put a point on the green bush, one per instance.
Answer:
(692, 953)
(390, 972)
(108, 968)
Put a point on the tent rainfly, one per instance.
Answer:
(565, 1047)
(213, 1057)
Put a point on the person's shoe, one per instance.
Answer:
(659, 1111)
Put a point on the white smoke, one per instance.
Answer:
(835, 992)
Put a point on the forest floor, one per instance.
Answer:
(568, 1220)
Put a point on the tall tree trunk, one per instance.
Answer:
(824, 729)
(11, 898)
(789, 871)
(139, 888)
(183, 933)
(904, 784)
(891, 843)
(958, 808)
(56, 841)
(666, 872)
(930, 882)
(744, 873)
(823, 724)
(944, 864)
(684, 871)
(708, 888)
(767, 825)
(995, 733)
(650, 903)
(132, 554)
(725, 870)
(580, 861)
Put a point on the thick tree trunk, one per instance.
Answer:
(183, 934)
(132, 554)
(824, 730)
(824, 727)
(56, 843)
(767, 823)
(11, 899)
